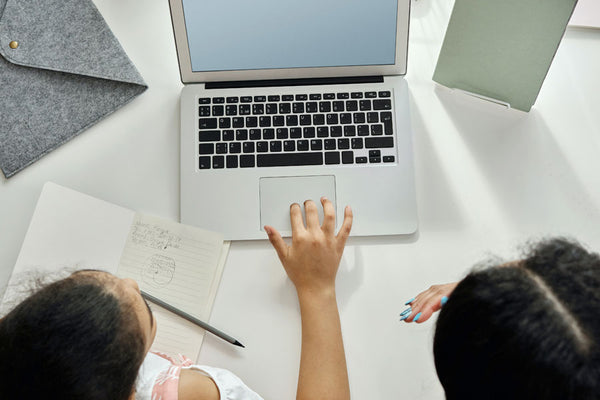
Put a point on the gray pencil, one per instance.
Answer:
(192, 319)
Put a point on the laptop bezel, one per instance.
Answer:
(189, 76)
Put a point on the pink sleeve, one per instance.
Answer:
(166, 385)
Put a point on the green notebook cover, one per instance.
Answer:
(502, 49)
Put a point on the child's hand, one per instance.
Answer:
(312, 260)
(426, 303)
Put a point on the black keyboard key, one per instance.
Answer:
(324, 106)
(374, 160)
(357, 143)
(336, 131)
(232, 161)
(204, 100)
(204, 111)
(308, 132)
(237, 122)
(347, 157)
(338, 106)
(376, 129)
(289, 145)
(235, 147)
(295, 133)
(278, 120)
(245, 109)
(305, 119)
(389, 158)
(388, 126)
(231, 110)
(241, 134)
(345, 118)
(298, 108)
(302, 145)
(379, 142)
(316, 144)
(322, 131)
(251, 122)
(343, 144)
(218, 162)
(371, 95)
(319, 119)
(343, 95)
(204, 162)
(349, 130)
(228, 135)
(224, 123)
(364, 105)
(271, 108)
(255, 134)
(312, 107)
(351, 105)
(264, 121)
(285, 108)
(374, 153)
(363, 130)
(218, 100)
(207, 123)
(291, 120)
(332, 119)
(330, 144)
(300, 97)
(315, 96)
(221, 148)
(247, 161)
(206, 148)
(356, 95)
(217, 111)
(373, 117)
(274, 98)
(358, 118)
(268, 133)
(282, 133)
(275, 146)
(382, 104)
(262, 147)
(209, 136)
(246, 99)
(332, 157)
(385, 93)
(289, 159)
(361, 160)
(260, 99)
(329, 96)
(287, 97)
(258, 109)
(233, 99)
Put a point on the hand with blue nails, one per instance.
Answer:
(422, 307)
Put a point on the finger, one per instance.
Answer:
(277, 241)
(296, 219)
(344, 232)
(424, 306)
(312, 215)
(328, 216)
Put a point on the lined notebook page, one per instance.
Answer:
(181, 265)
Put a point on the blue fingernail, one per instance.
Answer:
(403, 313)
(410, 301)
(443, 300)
(417, 317)
(407, 315)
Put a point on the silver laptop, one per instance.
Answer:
(293, 100)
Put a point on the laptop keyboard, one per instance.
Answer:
(292, 130)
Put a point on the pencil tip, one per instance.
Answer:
(239, 344)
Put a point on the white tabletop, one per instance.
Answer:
(487, 179)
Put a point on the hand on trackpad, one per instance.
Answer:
(278, 193)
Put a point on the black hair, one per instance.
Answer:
(73, 339)
(528, 330)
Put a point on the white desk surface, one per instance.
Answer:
(487, 180)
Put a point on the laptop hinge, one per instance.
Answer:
(294, 82)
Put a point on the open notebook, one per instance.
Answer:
(179, 264)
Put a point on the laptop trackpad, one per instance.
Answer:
(278, 193)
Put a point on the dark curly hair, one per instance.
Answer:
(528, 330)
(73, 339)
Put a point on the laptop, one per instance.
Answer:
(286, 101)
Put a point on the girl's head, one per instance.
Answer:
(81, 337)
(525, 330)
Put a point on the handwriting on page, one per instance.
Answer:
(178, 264)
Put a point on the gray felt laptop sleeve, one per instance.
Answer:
(61, 71)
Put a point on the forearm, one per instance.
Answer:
(323, 372)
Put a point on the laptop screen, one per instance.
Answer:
(229, 35)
